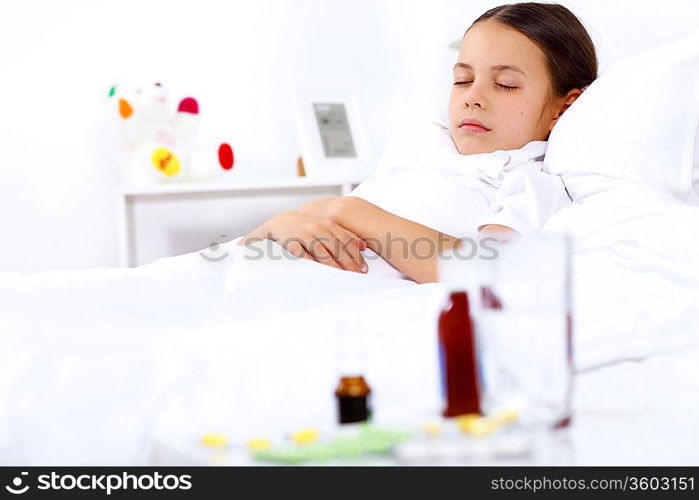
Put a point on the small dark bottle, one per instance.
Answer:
(457, 355)
(352, 392)
(352, 395)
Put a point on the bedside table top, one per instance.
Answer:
(232, 184)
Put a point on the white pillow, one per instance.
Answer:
(635, 125)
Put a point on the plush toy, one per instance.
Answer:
(159, 146)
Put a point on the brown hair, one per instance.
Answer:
(570, 53)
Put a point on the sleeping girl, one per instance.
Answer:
(519, 67)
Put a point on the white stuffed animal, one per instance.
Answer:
(158, 146)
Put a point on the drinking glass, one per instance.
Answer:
(520, 299)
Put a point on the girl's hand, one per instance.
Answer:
(313, 237)
(330, 207)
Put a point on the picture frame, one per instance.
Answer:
(333, 138)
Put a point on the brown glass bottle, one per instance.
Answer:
(457, 355)
(352, 395)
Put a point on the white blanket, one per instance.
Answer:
(636, 274)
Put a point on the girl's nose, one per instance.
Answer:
(474, 96)
(474, 99)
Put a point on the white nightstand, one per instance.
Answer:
(171, 219)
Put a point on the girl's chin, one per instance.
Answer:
(473, 147)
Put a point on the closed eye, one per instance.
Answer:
(504, 87)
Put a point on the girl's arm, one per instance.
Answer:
(408, 246)
(312, 237)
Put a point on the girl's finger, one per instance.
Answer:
(348, 250)
(334, 247)
(295, 248)
(316, 246)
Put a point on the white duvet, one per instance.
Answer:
(94, 363)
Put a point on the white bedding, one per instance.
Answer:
(636, 274)
(94, 362)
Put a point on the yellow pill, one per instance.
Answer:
(259, 444)
(505, 416)
(166, 161)
(476, 426)
(305, 436)
(466, 419)
(432, 428)
(214, 440)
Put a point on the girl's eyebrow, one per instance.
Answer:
(499, 67)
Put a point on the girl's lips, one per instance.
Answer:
(477, 129)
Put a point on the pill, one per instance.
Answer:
(504, 416)
(259, 444)
(214, 440)
(476, 426)
(305, 436)
(432, 428)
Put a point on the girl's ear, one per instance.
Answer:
(563, 103)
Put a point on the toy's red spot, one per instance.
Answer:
(188, 105)
(225, 156)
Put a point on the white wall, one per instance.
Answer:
(58, 59)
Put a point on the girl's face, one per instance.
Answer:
(501, 81)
